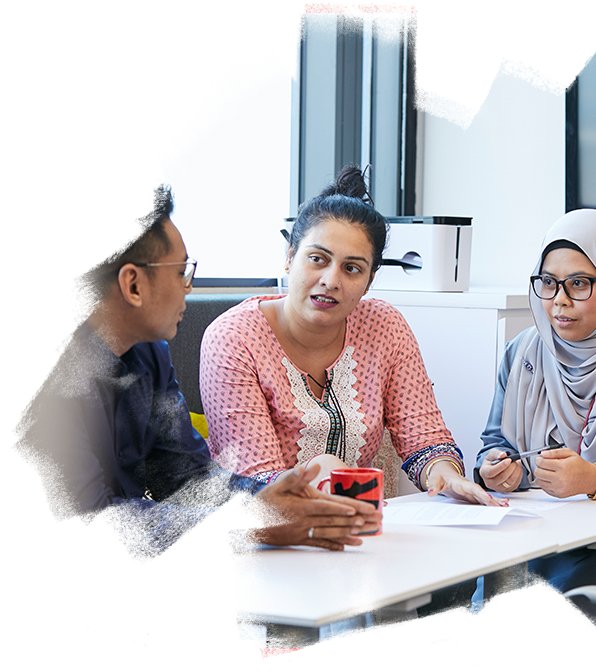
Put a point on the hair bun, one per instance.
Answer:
(349, 182)
(346, 200)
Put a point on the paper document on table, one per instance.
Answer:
(447, 514)
(536, 500)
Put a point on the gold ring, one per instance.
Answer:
(505, 484)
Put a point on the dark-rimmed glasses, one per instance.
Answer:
(190, 267)
(577, 287)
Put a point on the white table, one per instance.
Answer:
(310, 588)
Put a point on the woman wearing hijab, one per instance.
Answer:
(546, 388)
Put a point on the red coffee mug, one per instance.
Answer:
(364, 484)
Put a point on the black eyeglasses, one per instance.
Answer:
(190, 267)
(577, 287)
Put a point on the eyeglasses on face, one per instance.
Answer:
(190, 267)
(577, 287)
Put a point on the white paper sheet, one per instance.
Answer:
(449, 513)
(537, 500)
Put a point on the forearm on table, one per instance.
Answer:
(417, 464)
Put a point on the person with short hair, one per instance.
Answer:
(111, 429)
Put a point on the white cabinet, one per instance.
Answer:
(462, 337)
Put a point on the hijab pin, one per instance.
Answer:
(528, 366)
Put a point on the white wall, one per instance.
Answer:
(232, 183)
(506, 170)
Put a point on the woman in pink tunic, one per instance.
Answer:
(320, 373)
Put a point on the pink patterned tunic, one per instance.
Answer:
(263, 418)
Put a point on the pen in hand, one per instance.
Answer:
(518, 455)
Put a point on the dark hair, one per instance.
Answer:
(346, 198)
(151, 244)
(560, 244)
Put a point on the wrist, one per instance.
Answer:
(591, 488)
(447, 465)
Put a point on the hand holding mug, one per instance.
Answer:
(363, 484)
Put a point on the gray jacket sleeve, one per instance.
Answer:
(492, 436)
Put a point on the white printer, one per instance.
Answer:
(426, 254)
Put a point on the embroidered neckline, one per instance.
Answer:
(316, 417)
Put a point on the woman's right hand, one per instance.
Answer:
(295, 513)
(505, 476)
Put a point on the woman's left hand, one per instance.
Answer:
(444, 479)
(564, 473)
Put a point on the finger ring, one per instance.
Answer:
(311, 532)
(505, 484)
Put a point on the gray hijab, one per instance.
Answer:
(552, 382)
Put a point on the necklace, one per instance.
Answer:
(336, 439)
